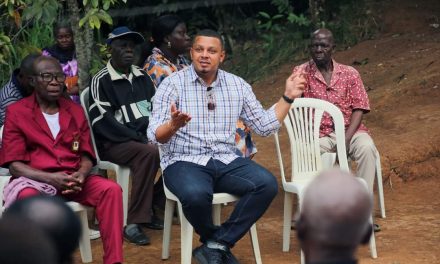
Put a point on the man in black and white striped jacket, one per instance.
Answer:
(120, 107)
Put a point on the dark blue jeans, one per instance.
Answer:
(194, 185)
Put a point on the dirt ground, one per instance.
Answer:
(402, 78)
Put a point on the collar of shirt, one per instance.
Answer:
(219, 79)
(115, 75)
(160, 56)
(313, 70)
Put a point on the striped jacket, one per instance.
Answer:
(120, 106)
(11, 92)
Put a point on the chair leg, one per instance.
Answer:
(168, 220)
(186, 237)
(380, 186)
(84, 242)
(123, 178)
(255, 244)
(288, 203)
(216, 214)
(373, 245)
(303, 259)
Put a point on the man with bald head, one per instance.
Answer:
(342, 86)
(334, 218)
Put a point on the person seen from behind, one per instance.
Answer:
(55, 218)
(334, 218)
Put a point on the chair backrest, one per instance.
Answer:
(84, 97)
(302, 123)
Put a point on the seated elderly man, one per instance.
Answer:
(18, 86)
(120, 109)
(334, 218)
(47, 146)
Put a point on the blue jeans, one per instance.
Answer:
(194, 185)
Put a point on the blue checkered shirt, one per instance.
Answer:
(210, 133)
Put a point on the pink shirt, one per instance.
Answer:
(346, 91)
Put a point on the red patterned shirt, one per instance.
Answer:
(346, 91)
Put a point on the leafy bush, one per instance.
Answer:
(30, 39)
(282, 36)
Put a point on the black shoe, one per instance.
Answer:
(229, 258)
(134, 234)
(376, 228)
(155, 224)
(205, 255)
(293, 225)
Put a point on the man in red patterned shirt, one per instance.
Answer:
(342, 86)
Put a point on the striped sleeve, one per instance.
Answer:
(8, 95)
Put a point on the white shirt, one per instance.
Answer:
(53, 121)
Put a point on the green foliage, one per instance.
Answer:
(26, 27)
(5, 49)
(28, 40)
(97, 13)
(19, 40)
(94, 18)
(283, 35)
(259, 37)
(280, 35)
(354, 22)
(99, 59)
(42, 10)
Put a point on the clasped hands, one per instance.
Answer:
(68, 183)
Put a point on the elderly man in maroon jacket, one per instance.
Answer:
(47, 146)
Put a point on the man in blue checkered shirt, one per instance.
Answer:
(194, 115)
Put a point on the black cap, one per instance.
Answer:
(124, 31)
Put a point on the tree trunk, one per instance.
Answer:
(83, 44)
(313, 12)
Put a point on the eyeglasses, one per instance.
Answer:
(48, 77)
(211, 99)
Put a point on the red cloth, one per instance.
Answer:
(106, 197)
(27, 138)
(346, 91)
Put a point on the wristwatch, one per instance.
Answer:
(287, 99)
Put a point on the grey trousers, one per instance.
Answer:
(362, 151)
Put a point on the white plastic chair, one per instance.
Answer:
(330, 159)
(3, 181)
(81, 210)
(122, 172)
(302, 124)
(186, 229)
